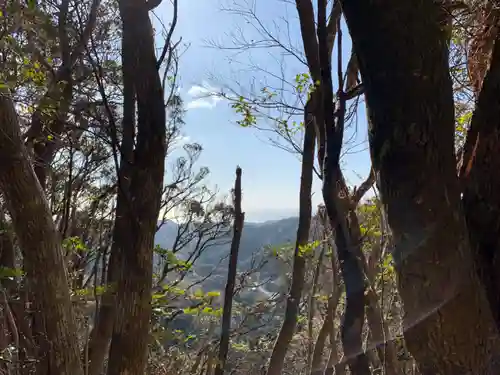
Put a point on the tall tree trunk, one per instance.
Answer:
(348, 243)
(330, 136)
(239, 218)
(48, 123)
(338, 205)
(101, 333)
(481, 198)
(409, 94)
(39, 242)
(299, 261)
(129, 344)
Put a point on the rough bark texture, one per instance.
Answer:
(122, 240)
(481, 198)
(338, 206)
(48, 123)
(40, 244)
(409, 93)
(299, 262)
(329, 136)
(348, 243)
(480, 49)
(484, 32)
(231, 276)
(308, 32)
(128, 352)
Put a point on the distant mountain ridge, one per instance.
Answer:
(255, 236)
(255, 239)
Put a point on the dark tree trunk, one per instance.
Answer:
(484, 30)
(40, 243)
(481, 181)
(299, 261)
(348, 243)
(403, 59)
(329, 135)
(130, 338)
(239, 218)
(122, 240)
(338, 205)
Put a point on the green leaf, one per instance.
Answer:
(198, 293)
(214, 293)
(158, 296)
(191, 310)
(74, 244)
(308, 248)
(7, 273)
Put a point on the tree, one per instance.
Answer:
(480, 159)
(231, 276)
(319, 113)
(57, 106)
(412, 146)
(84, 146)
(40, 243)
(299, 263)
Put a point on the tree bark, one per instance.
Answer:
(348, 243)
(484, 33)
(129, 344)
(299, 261)
(481, 199)
(39, 242)
(231, 276)
(101, 333)
(338, 204)
(409, 95)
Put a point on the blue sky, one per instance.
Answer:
(271, 175)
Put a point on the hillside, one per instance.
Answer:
(257, 242)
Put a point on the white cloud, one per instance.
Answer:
(197, 91)
(202, 103)
(182, 140)
(203, 97)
